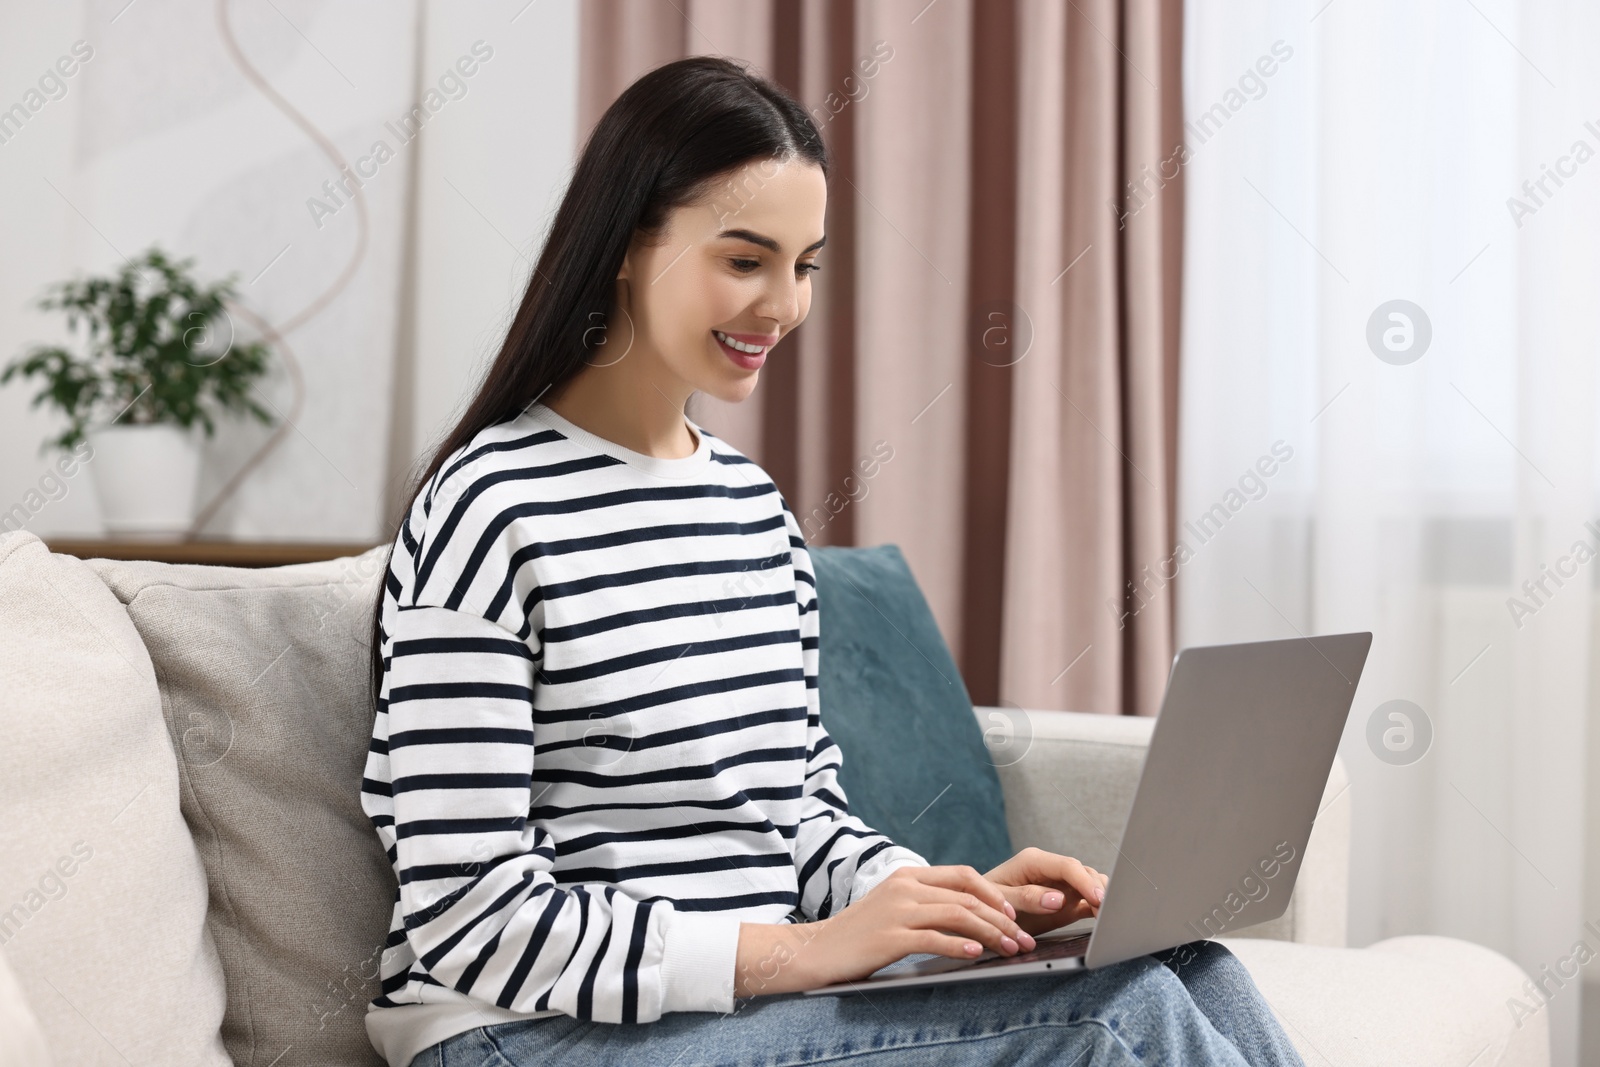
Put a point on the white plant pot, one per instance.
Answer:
(145, 477)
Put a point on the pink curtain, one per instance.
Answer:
(998, 312)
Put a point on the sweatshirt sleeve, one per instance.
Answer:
(839, 858)
(480, 906)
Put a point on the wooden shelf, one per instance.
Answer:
(217, 552)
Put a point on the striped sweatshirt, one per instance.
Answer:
(598, 745)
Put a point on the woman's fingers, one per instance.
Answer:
(1039, 899)
(1059, 887)
(982, 900)
(945, 945)
(966, 879)
(1053, 869)
(1003, 925)
(1082, 879)
(958, 913)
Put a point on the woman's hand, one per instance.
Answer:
(947, 911)
(1047, 890)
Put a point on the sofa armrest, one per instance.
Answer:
(1069, 780)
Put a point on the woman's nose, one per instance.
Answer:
(782, 304)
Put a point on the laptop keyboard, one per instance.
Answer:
(1057, 948)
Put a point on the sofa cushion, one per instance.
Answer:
(1421, 1000)
(915, 765)
(263, 677)
(22, 1043)
(102, 896)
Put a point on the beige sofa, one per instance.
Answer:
(186, 877)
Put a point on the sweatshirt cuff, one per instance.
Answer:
(881, 866)
(699, 955)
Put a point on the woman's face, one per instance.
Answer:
(736, 266)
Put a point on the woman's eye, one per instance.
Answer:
(745, 266)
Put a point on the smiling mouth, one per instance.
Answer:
(746, 356)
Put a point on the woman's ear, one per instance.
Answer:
(625, 272)
(637, 244)
(624, 287)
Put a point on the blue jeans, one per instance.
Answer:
(1191, 1005)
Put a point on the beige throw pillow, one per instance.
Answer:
(102, 896)
(263, 677)
(22, 1043)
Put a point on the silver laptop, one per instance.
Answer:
(1235, 770)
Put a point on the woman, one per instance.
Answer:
(598, 763)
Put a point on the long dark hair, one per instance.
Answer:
(661, 145)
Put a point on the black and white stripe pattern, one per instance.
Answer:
(598, 747)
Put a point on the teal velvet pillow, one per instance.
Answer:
(914, 763)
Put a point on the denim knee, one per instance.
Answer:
(1202, 954)
(1121, 990)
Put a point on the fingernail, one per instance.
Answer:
(1027, 940)
(973, 948)
(1011, 913)
(1052, 899)
(1100, 893)
(1008, 944)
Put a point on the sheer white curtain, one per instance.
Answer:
(1343, 157)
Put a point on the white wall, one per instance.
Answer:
(160, 138)
(488, 185)
(40, 239)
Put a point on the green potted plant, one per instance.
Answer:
(158, 359)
